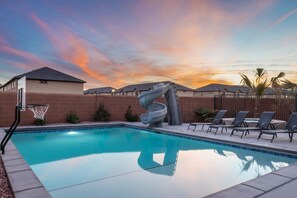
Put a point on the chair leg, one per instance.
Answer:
(274, 135)
(291, 137)
(188, 127)
(216, 131)
(259, 135)
(244, 132)
(202, 126)
(232, 132)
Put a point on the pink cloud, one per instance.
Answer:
(35, 60)
(284, 17)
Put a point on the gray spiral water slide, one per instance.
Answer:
(156, 110)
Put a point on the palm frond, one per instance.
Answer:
(261, 87)
(261, 82)
(281, 75)
(287, 84)
(275, 81)
(246, 81)
(260, 75)
(260, 72)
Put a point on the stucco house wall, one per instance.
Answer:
(37, 86)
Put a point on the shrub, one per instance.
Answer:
(40, 122)
(204, 113)
(102, 114)
(72, 117)
(129, 116)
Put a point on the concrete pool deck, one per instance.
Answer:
(279, 183)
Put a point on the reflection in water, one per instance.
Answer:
(257, 162)
(47, 147)
(147, 162)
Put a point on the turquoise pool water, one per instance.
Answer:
(125, 162)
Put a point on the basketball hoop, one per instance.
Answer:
(38, 110)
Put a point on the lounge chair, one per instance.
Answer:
(263, 123)
(218, 119)
(290, 128)
(237, 122)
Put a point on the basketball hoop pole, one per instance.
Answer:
(20, 106)
(17, 120)
(39, 111)
(12, 128)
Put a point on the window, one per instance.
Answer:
(43, 82)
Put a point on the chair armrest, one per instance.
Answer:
(208, 120)
(236, 123)
(276, 125)
(245, 124)
(221, 121)
(294, 128)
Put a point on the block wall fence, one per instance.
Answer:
(86, 105)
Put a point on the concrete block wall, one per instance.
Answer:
(86, 105)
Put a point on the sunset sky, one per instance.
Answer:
(120, 42)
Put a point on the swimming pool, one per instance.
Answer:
(126, 162)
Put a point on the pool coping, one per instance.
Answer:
(24, 182)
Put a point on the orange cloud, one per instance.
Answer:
(72, 48)
(80, 57)
(173, 44)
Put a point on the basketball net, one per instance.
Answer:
(38, 110)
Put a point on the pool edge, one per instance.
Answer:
(19, 173)
(35, 187)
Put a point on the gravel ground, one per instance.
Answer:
(5, 191)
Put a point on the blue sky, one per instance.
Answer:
(117, 42)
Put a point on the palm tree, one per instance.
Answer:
(260, 84)
(287, 84)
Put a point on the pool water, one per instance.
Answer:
(125, 162)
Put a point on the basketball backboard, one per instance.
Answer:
(21, 93)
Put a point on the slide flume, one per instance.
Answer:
(156, 110)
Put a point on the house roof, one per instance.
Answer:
(147, 86)
(49, 74)
(99, 90)
(235, 88)
(222, 87)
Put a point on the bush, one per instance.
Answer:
(40, 122)
(129, 116)
(72, 117)
(204, 113)
(102, 114)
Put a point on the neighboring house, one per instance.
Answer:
(212, 90)
(136, 89)
(100, 91)
(46, 80)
